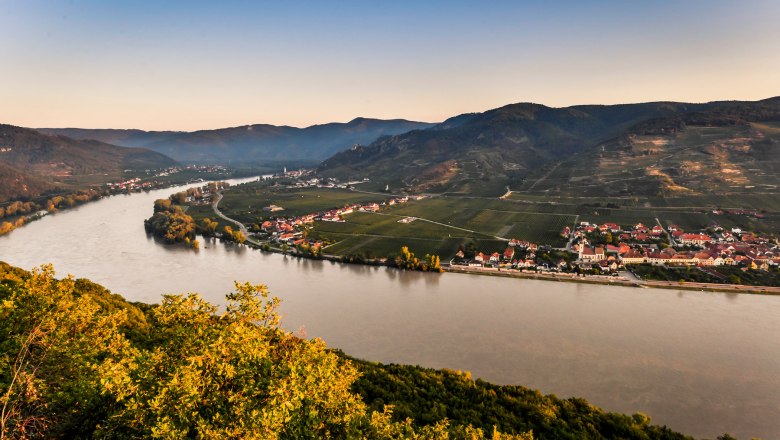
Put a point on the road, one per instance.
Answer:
(241, 227)
(668, 235)
(446, 226)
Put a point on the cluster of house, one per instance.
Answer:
(636, 245)
(301, 180)
(133, 184)
(640, 244)
(517, 255)
(138, 184)
(289, 229)
(746, 212)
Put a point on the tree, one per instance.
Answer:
(53, 342)
(172, 223)
(233, 375)
(162, 205)
(209, 226)
(179, 198)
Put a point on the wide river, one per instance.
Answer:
(701, 363)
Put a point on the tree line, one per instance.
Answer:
(408, 261)
(17, 213)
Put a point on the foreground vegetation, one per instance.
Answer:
(77, 361)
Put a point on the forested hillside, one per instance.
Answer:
(77, 361)
(658, 148)
(32, 163)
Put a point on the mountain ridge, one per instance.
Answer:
(32, 163)
(253, 142)
(510, 144)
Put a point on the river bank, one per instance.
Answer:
(615, 281)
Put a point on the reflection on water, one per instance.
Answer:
(703, 363)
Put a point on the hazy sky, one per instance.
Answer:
(192, 65)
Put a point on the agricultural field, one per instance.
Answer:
(442, 225)
(245, 202)
(690, 213)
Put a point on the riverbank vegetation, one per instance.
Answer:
(18, 213)
(77, 361)
(407, 261)
(429, 395)
(170, 223)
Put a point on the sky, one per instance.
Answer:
(169, 65)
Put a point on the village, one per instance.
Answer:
(136, 184)
(607, 248)
(290, 230)
(609, 251)
(592, 248)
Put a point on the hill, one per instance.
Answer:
(251, 143)
(544, 150)
(32, 163)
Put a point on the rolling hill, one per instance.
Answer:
(657, 148)
(250, 143)
(32, 163)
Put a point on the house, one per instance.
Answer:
(705, 259)
(633, 256)
(610, 227)
(697, 239)
(606, 266)
(286, 237)
(588, 253)
(509, 253)
(495, 257)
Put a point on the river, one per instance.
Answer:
(701, 363)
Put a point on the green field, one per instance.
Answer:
(442, 226)
(245, 202)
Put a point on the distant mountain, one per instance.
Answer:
(593, 149)
(251, 143)
(32, 163)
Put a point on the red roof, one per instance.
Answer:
(695, 237)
